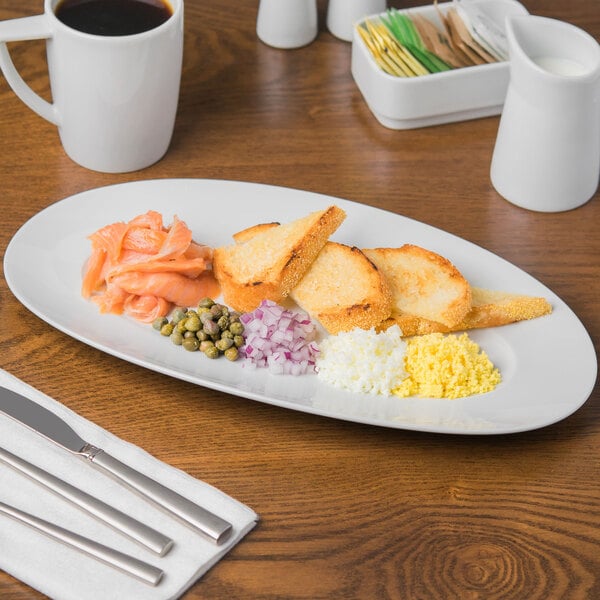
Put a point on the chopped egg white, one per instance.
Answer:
(363, 360)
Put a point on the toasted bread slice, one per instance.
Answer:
(343, 289)
(489, 309)
(424, 284)
(271, 262)
(243, 236)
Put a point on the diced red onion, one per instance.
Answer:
(280, 340)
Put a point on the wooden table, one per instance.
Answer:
(347, 510)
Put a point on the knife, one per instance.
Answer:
(128, 564)
(125, 524)
(47, 424)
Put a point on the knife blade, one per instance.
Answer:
(52, 427)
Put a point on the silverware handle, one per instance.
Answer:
(207, 523)
(132, 566)
(150, 538)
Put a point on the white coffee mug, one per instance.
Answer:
(114, 98)
(342, 15)
(287, 24)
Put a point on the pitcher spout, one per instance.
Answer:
(551, 48)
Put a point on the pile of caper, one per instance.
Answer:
(211, 328)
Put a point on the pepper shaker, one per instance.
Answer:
(342, 15)
(287, 23)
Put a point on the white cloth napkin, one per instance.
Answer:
(63, 573)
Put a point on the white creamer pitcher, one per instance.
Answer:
(547, 152)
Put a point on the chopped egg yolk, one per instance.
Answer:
(446, 366)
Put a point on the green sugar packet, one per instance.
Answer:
(405, 32)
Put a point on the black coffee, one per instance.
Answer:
(113, 17)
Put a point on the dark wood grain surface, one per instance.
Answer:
(347, 510)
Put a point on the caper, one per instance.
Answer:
(193, 323)
(205, 344)
(176, 338)
(178, 314)
(205, 303)
(205, 316)
(216, 310)
(211, 327)
(223, 344)
(166, 329)
(159, 322)
(231, 353)
(236, 328)
(212, 352)
(191, 344)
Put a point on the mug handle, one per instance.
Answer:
(14, 30)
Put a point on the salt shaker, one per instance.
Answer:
(287, 23)
(343, 14)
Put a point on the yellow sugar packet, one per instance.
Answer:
(381, 58)
(395, 50)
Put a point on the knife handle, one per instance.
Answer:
(141, 533)
(207, 523)
(132, 566)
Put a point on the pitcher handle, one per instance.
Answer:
(25, 28)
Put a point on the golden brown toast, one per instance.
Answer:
(423, 283)
(343, 289)
(250, 232)
(489, 309)
(270, 262)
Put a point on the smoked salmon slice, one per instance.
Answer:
(173, 287)
(144, 269)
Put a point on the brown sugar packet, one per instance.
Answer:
(437, 41)
(457, 46)
(465, 37)
(454, 27)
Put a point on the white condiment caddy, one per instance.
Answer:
(456, 95)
